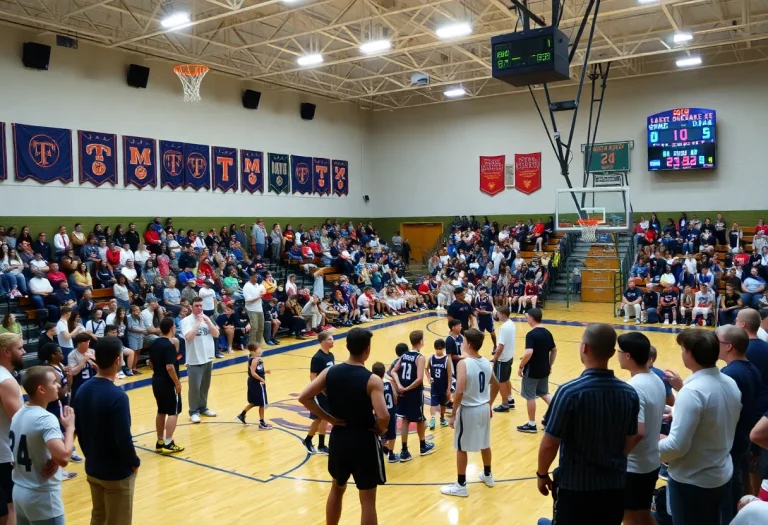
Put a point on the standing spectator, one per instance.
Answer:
(103, 428)
(11, 357)
(259, 234)
(593, 422)
(698, 447)
(200, 334)
(253, 291)
(397, 243)
(535, 367)
(132, 238)
(276, 238)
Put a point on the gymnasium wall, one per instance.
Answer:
(86, 89)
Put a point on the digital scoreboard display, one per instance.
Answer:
(682, 139)
(535, 56)
(530, 52)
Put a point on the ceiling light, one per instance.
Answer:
(310, 60)
(647, 1)
(374, 46)
(688, 62)
(454, 30)
(679, 38)
(455, 92)
(175, 20)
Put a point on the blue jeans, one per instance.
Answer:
(751, 300)
(692, 505)
(689, 247)
(39, 302)
(260, 249)
(735, 487)
(728, 317)
(15, 280)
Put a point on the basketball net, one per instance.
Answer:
(588, 229)
(191, 76)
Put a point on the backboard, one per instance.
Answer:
(609, 205)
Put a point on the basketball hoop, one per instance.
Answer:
(588, 229)
(191, 76)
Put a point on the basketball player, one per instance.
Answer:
(322, 359)
(40, 448)
(409, 378)
(359, 415)
(440, 373)
(454, 341)
(11, 355)
(164, 361)
(484, 314)
(388, 440)
(476, 389)
(503, 358)
(257, 386)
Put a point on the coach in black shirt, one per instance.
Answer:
(592, 421)
(460, 309)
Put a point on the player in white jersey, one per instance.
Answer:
(11, 355)
(476, 389)
(40, 449)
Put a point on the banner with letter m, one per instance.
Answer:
(252, 171)
(340, 177)
(139, 166)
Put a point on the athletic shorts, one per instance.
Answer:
(532, 388)
(168, 401)
(6, 487)
(438, 398)
(39, 506)
(356, 453)
(638, 491)
(322, 401)
(503, 370)
(257, 393)
(485, 323)
(411, 406)
(472, 429)
(392, 427)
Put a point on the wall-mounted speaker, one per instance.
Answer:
(36, 56)
(307, 111)
(138, 76)
(366, 199)
(251, 99)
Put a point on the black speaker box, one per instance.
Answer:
(307, 111)
(138, 76)
(251, 99)
(36, 56)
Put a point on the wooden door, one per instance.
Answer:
(422, 236)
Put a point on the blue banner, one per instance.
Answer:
(252, 171)
(197, 163)
(42, 154)
(321, 176)
(301, 174)
(340, 177)
(224, 169)
(279, 180)
(3, 160)
(139, 166)
(98, 157)
(172, 158)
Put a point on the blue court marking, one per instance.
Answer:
(423, 484)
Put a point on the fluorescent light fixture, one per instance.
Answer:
(647, 1)
(455, 92)
(688, 61)
(175, 20)
(679, 38)
(454, 30)
(374, 46)
(310, 60)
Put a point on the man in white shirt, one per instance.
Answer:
(253, 291)
(502, 359)
(38, 263)
(704, 301)
(148, 317)
(129, 271)
(643, 461)
(200, 334)
(39, 289)
(61, 241)
(125, 254)
(11, 356)
(698, 447)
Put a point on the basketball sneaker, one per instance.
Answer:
(76, 457)
(488, 480)
(159, 444)
(172, 448)
(405, 456)
(501, 408)
(194, 418)
(511, 403)
(454, 489)
(528, 428)
(264, 426)
(393, 458)
(432, 423)
(427, 449)
(209, 413)
(309, 446)
(443, 422)
(241, 418)
(323, 450)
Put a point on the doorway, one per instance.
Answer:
(422, 237)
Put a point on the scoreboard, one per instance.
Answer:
(682, 139)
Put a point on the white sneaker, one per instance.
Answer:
(674, 322)
(455, 489)
(209, 413)
(626, 319)
(120, 375)
(194, 418)
(666, 321)
(637, 321)
(488, 480)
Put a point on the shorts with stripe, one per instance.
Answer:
(472, 429)
(502, 370)
(322, 402)
(411, 406)
(168, 401)
(257, 393)
(356, 453)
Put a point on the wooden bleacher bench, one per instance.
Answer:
(102, 296)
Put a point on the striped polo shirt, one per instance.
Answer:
(592, 416)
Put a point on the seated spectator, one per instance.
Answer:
(40, 245)
(705, 279)
(705, 302)
(735, 236)
(290, 317)
(668, 305)
(761, 235)
(631, 302)
(96, 323)
(687, 304)
(129, 357)
(10, 325)
(11, 272)
(105, 276)
(189, 293)
(130, 273)
(172, 296)
(141, 256)
(650, 304)
(61, 241)
(90, 254)
(41, 295)
(86, 306)
(126, 254)
(121, 291)
(730, 304)
(81, 280)
(667, 278)
(752, 288)
(113, 256)
(38, 263)
(55, 276)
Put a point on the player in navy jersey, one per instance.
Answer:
(409, 378)
(440, 375)
(454, 340)
(484, 314)
(322, 359)
(668, 305)
(388, 439)
(400, 349)
(257, 386)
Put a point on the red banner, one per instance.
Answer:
(528, 172)
(492, 174)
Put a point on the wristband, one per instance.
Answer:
(542, 476)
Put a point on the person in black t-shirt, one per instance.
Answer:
(535, 367)
(359, 415)
(164, 360)
(651, 304)
(460, 309)
(322, 359)
(229, 325)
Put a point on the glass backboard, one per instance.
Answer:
(611, 206)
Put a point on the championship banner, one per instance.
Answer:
(340, 177)
(139, 164)
(321, 176)
(172, 158)
(492, 174)
(301, 174)
(279, 180)
(527, 172)
(42, 154)
(197, 166)
(251, 171)
(3, 160)
(225, 169)
(98, 157)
